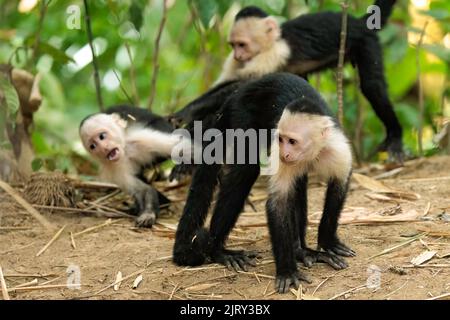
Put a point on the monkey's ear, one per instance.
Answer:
(326, 126)
(119, 121)
(272, 28)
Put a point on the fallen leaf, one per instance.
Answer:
(118, 281)
(137, 281)
(423, 257)
(380, 187)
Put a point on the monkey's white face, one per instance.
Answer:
(293, 148)
(251, 36)
(301, 136)
(103, 137)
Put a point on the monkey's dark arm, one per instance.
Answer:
(147, 204)
(235, 187)
(282, 234)
(192, 243)
(300, 221)
(334, 202)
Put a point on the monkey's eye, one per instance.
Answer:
(92, 146)
(292, 141)
(280, 139)
(240, 44)
(102, 136)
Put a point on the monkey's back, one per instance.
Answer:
(260, 103)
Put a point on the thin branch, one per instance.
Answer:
(37, 40)
(359, 132)
(419, 80)
(132, 76)
(94, 57)
(156, 57)
(123, 88)
(340, 71)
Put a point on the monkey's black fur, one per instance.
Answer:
(256, 105)
(143, 116)
(207, 104)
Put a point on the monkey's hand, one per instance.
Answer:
(335, 246)
(284, 282)
(308, 257)
(146, 220)
(235, 259)
(147, 204)
(192, 250)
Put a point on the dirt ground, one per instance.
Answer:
(103, 252)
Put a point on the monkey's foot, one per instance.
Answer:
(337, 247)
(284, 282)
(146, 220)
(308, 257)
(394, 147)
(235, 259)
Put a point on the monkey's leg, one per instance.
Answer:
(282, 235)
(192, 244)
(234, 189)
(300, 220)
(373, 85)
(334, 202)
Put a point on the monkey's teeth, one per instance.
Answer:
(113, 154)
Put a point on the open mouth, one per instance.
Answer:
(113, 155)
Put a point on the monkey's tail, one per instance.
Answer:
(386, 7)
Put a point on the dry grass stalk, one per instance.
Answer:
(56, 236)
(72, 241)
(398, 246)
(3, 286)
(347, 291)
(445, 295)
(34, 282)
(47, 287)
(90, 229)
(175, 288)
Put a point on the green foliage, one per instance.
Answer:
(10, 105)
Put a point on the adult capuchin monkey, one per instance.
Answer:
(126, 140)
(310, 43)
(310, 141)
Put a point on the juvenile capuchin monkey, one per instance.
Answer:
(126, 140)
(310, 43)
(310, 141)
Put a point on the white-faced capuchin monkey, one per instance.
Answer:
(126, 140)
(310, 142)
(310, 43)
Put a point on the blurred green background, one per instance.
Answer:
(192, 49)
